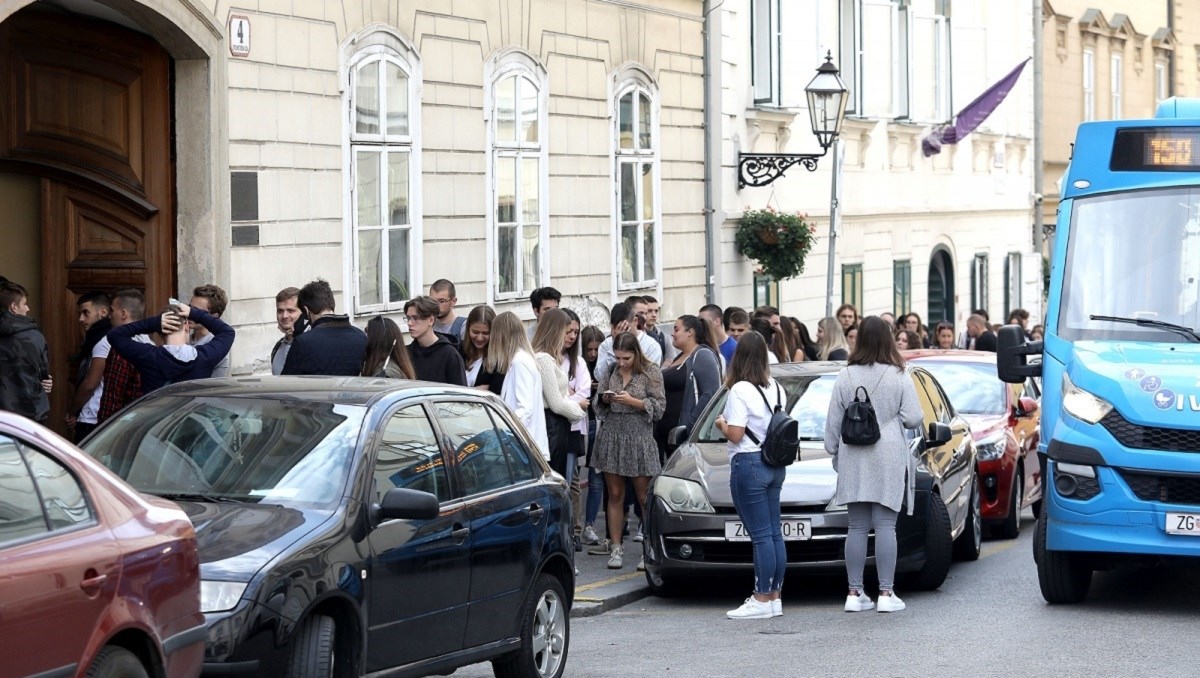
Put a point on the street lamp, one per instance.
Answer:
(826, 105)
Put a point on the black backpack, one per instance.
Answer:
(860, 426)
(782, 441)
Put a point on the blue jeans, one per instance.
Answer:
(756, 487)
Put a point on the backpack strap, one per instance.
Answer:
(753, 438)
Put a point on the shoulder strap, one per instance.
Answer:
(763, 394)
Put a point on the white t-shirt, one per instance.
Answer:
(473, 371)
(91, 409)
(745, 407)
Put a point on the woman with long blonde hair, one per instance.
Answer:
(510, 354)
(831, 340)
(561, 410)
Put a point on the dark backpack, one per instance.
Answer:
(782, 440)
(860, 426)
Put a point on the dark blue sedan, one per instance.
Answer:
(352, 526)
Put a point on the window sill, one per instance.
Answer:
(769, 113)
(647, 286)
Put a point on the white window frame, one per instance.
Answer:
(636, 80)
(1160, 82)
(1089, 85)
(765, 52)
(504, 64)
(1116, 81)
(382, 46)
(903, 76)
(941, 64)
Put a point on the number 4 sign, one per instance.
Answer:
(239, 35)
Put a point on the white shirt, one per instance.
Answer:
(605, 358)
(522, 392)
(91, 409)
(221, 369)
(745, 407)
(473, 371)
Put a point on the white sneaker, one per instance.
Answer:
(614, 559)
(890, 603)
(777, 607)
(753, 609)
(602, 548)
(589, 536)
(860, 603)
(638, 535)
(642, 564)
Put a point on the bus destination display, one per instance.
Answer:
(1157, 149)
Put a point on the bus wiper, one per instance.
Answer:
(1146, 322)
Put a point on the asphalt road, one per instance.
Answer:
(988, 619)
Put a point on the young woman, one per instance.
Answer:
(810, 348)
(562, 412)
(386, 355)
(831, 340)
(475, 350)
(874, 481)
(754, 484)
(847, 316)
(629, 401)
(851, 337)
(690, 380)
(784, 345)
(591, 337)
(579, 385)
(912, 323)
(944, 336)
(762, 325)
(906, 340)
(509, 354)
(1038, 333)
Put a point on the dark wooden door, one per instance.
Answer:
(89, 110)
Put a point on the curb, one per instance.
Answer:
(610, 594)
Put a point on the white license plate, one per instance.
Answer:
(1180, 523)
(793, 530)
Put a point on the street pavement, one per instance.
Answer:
(988, 619)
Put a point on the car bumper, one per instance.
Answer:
(242, 642)
(996, 486)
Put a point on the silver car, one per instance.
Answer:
(693, 531)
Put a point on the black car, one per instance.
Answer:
(353, 526)
(692, 529)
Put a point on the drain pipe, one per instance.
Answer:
(712, 145)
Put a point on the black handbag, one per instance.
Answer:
(558, 436)
(860, 426)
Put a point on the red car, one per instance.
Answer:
(95, 579)
(1004, 423)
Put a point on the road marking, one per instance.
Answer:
(998, 548)
(606, 582)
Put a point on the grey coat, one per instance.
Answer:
(883, 473)
(703, 381)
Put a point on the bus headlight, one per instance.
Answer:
(1081, 404)
(684, 496)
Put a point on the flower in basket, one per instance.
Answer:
(777, 241)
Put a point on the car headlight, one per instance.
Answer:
(1083, 405)
(990, 448)
(685, 496)
(218, 596)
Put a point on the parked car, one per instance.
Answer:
(1004, 421)
(351, 526)
(95, 579)
(692, 529)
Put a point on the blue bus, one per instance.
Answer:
(1120, 361)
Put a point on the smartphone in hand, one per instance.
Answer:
(607, 396)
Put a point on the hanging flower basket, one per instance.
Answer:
(777, 241)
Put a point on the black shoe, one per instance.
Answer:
(578, 544)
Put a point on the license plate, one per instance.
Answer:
(793, 530)
(1177, 523)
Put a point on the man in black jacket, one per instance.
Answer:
(434, 356)
(332, 346)
(984, 338)
(24, 358)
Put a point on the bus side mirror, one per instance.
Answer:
(1012, 351)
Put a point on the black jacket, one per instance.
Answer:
(986, 342)
(24, 362)
(157, 365)
(331, 347)
(440, 362)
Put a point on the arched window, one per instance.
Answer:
(384, 126)
(638, 212)
(519, 216)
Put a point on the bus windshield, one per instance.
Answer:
(1134, 256)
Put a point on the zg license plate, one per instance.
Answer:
(1177, 523)
(793, 530)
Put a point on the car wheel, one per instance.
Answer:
(1064, 577)
(663, 587)
(1037, 509)
(938, 546)
(545, 635)
(970, 541)
(1011, 527)
(312, 649)
(116, 662)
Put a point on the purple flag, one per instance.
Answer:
(972, 115)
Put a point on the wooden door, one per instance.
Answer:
(89, 111)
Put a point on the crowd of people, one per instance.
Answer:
(604, 400)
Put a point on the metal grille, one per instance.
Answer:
(1086, 488)
(1167, 489)
(1150, 437)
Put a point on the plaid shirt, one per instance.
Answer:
(122, 385)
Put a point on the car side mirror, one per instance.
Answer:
(1012, 355)
(939, 434)
(1026, 406)
(677, 436)
(405, 504)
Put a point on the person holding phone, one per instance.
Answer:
(175, 360)
(624, 318)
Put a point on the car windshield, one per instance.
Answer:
(807, 401)
(972, 387)
(260, 450)
(1134, 256)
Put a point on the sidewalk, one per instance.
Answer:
(599, 589)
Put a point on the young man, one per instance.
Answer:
(434, 356)
(716, 325)
(212, 299)
(624, 319)
(176, 360)
(122, 382)
(24, 358)
(651, 316)
(448, 323)
(982, 337)
(94, 311)
(331, 346)
(738, 322)
(544, 299)
(287, 312)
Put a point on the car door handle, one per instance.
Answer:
(459, 534)
(534, 512)
(92, 580)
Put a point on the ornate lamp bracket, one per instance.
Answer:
(760, 169)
